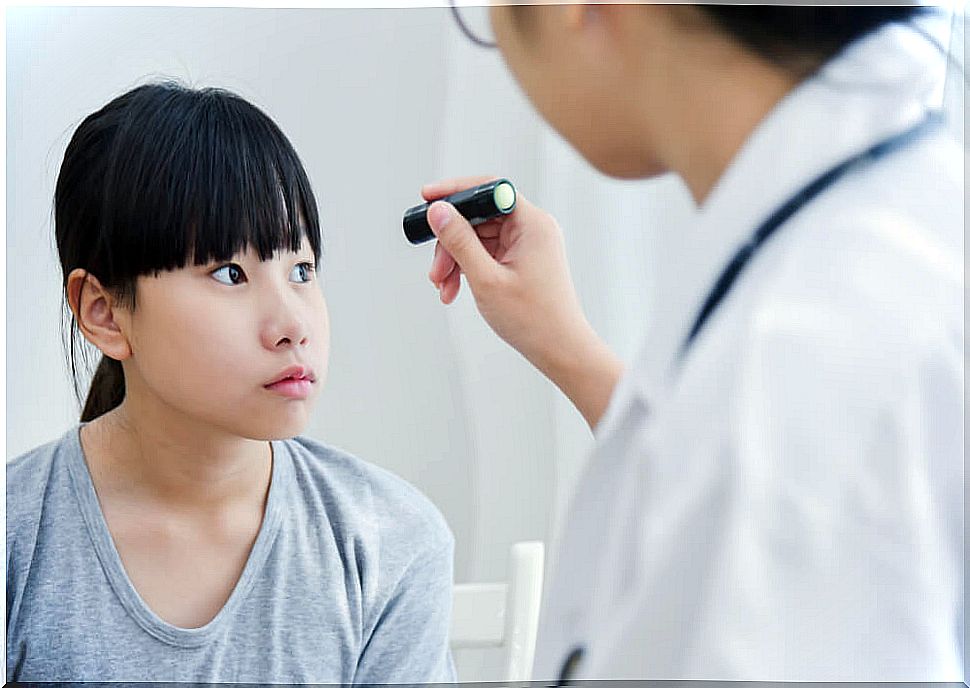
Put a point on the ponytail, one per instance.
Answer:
(107, 389)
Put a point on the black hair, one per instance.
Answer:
(165, 175)
(797, 38)
(802, 38)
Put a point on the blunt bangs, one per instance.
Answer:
(187, 176)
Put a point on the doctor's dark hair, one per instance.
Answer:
(802, 38)
(797, 38)
(165, 176)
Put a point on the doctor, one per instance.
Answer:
(782, 497)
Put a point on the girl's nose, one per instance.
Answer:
(301, 340)
(286, 326)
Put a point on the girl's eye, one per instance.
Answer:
(303, 272)
(229, 274)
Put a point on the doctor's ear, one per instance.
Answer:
(100, 317)
(627, 27)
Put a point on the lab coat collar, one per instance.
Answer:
(880, 85)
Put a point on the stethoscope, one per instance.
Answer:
(747, 251)
(767, 228)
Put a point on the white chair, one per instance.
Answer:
(503, 615)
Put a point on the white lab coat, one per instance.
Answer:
(787, 503)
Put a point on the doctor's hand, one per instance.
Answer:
(517, 271)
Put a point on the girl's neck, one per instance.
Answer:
(175, 462)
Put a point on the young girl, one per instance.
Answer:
(182, 532)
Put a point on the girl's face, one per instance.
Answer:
(208, 341)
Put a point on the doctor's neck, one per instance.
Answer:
(644, 89)
(696, 112)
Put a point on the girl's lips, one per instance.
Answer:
(292, 388)
(293, 371)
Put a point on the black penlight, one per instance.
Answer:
(477, 205)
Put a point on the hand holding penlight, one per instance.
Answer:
(477, 205)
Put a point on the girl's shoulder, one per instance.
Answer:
(364, 493)
(37, 487)
(29, 478)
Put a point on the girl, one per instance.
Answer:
(779, 496)
(182, 532)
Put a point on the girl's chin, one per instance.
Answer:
(268, 429)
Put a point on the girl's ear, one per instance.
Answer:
(100, 318)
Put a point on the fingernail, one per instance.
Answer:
(439, 215)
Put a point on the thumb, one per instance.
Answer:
(458, 237)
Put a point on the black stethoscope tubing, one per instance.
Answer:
(747, 251)
(795, 203)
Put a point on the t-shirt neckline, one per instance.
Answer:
(121, 584)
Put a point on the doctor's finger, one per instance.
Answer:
(451, 285)
(490, 229)
(491, 245)
(441, 265)
(445, 187)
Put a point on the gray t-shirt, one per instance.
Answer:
(349, 581)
